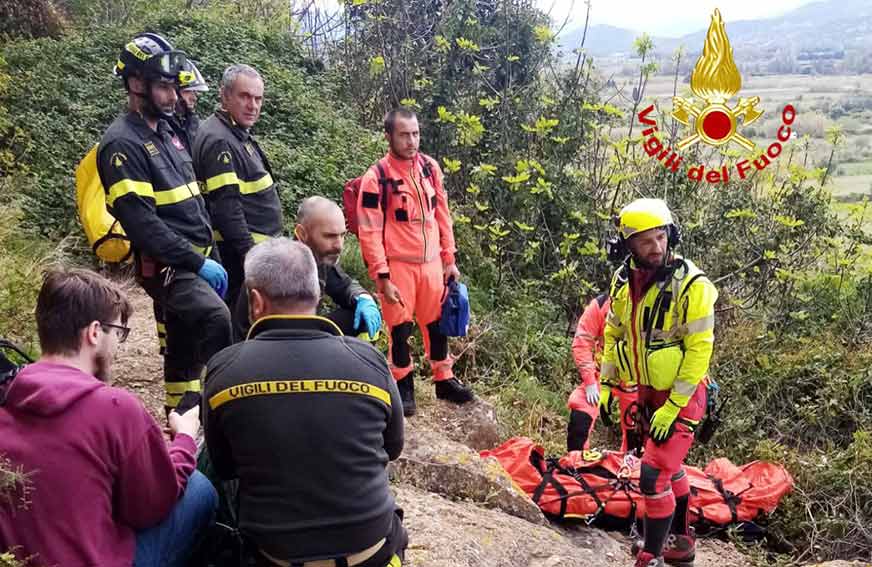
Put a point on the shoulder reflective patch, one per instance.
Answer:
(271, 387)
(118, 159)
(224, 157)
(370, 200)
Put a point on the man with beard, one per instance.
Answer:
(101, 486)
(321, 227)
(407, 241)
(186, 123)
(242, 195)
(152, 191)
(663, 311)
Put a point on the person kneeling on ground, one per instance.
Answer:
(103, 488)
(307, 420)
(321, 227)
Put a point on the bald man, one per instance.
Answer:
(321, 227)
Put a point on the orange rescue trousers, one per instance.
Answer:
(421, 290)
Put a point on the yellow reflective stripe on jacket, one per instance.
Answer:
(176, 195)
(256, 236)
(125, 186)
(204, 250)
(703, 324)
(182, 387)
(249, 187)
(608, 370)
(700, 299)
(682, 392)
(272, 387)
(221, 180)
(612, 333)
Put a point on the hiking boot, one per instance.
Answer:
(453, 391)
(679, 550)
(645, 559)
(406, 386)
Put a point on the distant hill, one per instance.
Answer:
(831, 36)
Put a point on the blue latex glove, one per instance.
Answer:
(368, 311)
(215, 275)
(662, 420)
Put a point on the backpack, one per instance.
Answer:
(351, 191)
(103, 231)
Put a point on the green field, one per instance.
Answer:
(821, 102)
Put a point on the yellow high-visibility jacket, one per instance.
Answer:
(665, 340)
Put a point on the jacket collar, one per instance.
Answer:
(141, 127)
(296, 324)
(402, 165)
(231, 124)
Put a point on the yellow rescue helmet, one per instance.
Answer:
(642, 215)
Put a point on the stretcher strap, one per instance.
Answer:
(732, 500)
(548, 478)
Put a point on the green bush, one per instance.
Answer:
(63, 96)
(806, 402)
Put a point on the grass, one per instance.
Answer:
(852, 187)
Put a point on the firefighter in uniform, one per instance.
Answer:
(307, 420)
(660, 331)
(242, 195)
(186, 123)
(407, 241)
(590, 396)
(152, 191)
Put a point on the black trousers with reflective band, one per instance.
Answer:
(196, 325)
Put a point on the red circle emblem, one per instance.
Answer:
(717, 125)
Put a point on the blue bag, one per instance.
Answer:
(455, 310)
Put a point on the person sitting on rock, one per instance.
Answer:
(307, 420)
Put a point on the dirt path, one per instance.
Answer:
(138, 365)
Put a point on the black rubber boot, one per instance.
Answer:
(453, 391)
(406, 386)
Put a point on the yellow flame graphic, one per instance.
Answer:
(715, 77)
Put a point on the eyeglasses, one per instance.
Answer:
(123, 331)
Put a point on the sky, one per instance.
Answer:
(664, 18)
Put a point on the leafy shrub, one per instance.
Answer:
(63, 96)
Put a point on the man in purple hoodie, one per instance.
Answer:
(103, 487)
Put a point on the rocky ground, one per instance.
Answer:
(460, 510)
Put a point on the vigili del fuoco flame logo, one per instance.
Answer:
(715, 80)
